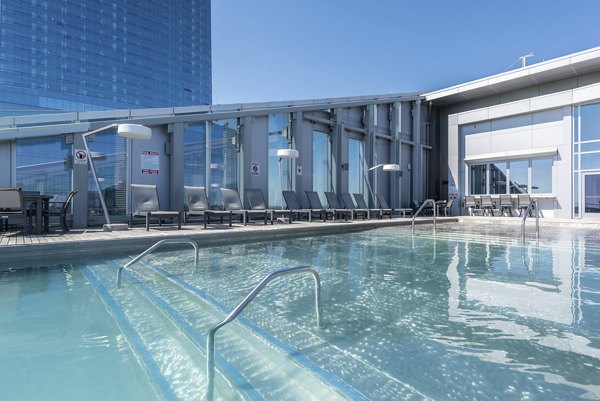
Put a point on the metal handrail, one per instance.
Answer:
(425, 202)
(210, 339)
(152, 248)
(532, 202)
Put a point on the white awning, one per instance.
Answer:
(512, 155)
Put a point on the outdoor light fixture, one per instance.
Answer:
(286, 154)
(384, 167)
(131, 131)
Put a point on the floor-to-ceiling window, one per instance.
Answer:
(321, 164)
(44, 165)
(279, 178)
(527, 176)
(194, 155)
(356, 166)
(586, 160)
(223, 158)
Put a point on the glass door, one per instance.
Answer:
(591, 195)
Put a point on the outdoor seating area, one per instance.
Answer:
(498, 205)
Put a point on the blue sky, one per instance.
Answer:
(269, 50)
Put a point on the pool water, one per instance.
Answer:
(465, 313)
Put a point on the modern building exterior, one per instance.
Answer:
(97, 55)
(532, 131)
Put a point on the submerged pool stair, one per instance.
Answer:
(157, 304)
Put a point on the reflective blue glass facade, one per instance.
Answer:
(103, 54)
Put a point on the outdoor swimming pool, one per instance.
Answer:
(457, 315)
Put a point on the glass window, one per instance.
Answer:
(498, 178)
(590, 122)
(355, 166)
(279, 179)
(43, 165)
(223, 158)
(590, 161)
(478, 182)
(541, 176)
(194, 155)
(321, 164)
(519, 176)
(108, 151)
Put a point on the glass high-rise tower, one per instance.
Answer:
(103, 54)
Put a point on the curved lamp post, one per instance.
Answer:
(286, 154)
(384, 167)
(131, 131)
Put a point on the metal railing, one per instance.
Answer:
(532, 203)
(155, 246)
(434, 206)
(210, 340)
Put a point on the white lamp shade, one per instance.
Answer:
(391, 167)
(287, 153)
(134, 131)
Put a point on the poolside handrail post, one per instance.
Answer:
(419, 211)
(532, 203)
(152, 248)
(210, 338)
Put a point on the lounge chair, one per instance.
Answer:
(315, 203)
(427, 210)
(257, 202)
(145, 204)
(11, 204)
(362, 204)
(233, 203)
(487, 205)
(506, 205)
(523, 204)
(385, 209)
(471, 205)
(293, 204)
(60, 209)
(334, 203)
(349, 204)
(197, 205)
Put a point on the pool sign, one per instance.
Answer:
(149, 162)
(298, 170)
(80, 157)
(254, 168)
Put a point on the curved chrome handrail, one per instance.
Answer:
(210, 339)
(152, 248)
(532, 202)
(425, 202)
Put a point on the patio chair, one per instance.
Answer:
(523, 204)
(11, 204)
(257, 202)
(348, 202)
(385, 209)
(487, 205)
(197, 205)
(362, 204)
(333, 202)
(447, 208)
(145, 204)
(293, 205)
(506, 205)
(233, 202)
(471, 205)
(60, 209)
(315, 203)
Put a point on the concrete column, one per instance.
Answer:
(417, 171)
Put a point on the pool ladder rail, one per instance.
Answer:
(154, 247)
(533, 203)
(434, 206)
(210, 339)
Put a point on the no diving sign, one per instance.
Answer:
(80, 157)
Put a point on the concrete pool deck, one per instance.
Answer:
(15, 245)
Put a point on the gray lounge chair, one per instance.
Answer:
(471, 205)
(349, 204)
(315, 203)
(145, 204)
(362, 204)
(233, 202)
(385, 209)
(293, 204)
(197, 205)
(506, 205)
(523, 203)
(11, 204)
(257, 202)
(487, 205)
(335, 204)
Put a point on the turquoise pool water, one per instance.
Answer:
(467, 313)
